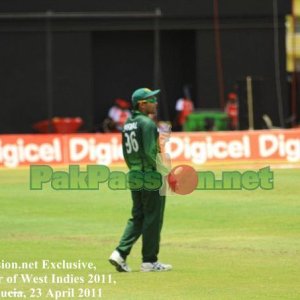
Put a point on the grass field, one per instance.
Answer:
(222, 244)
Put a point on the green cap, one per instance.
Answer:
(143, 94)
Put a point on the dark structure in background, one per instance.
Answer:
(96, 60)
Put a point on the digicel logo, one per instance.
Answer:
(14, 154)
(279, 145)
(88, 149)
(205, 149)
(201, 151)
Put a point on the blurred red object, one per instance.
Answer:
(43, 126)
(232, 96)
(122, 103)
(59, 125)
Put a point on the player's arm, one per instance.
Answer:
(125, 151)
(149, 131)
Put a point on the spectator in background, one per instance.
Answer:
(184, 106)
(117, 116)
(231, 110)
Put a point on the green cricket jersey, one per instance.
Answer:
(140, 142)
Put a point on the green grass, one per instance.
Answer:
(222, 244)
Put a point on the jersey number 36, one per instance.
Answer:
(131, 143)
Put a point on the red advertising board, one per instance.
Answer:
(198, 148)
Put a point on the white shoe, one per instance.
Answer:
(118, 261)
(155, 267)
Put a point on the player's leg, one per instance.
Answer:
(134, 225)
(162, 211)
(131, 234)
(153, 205)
